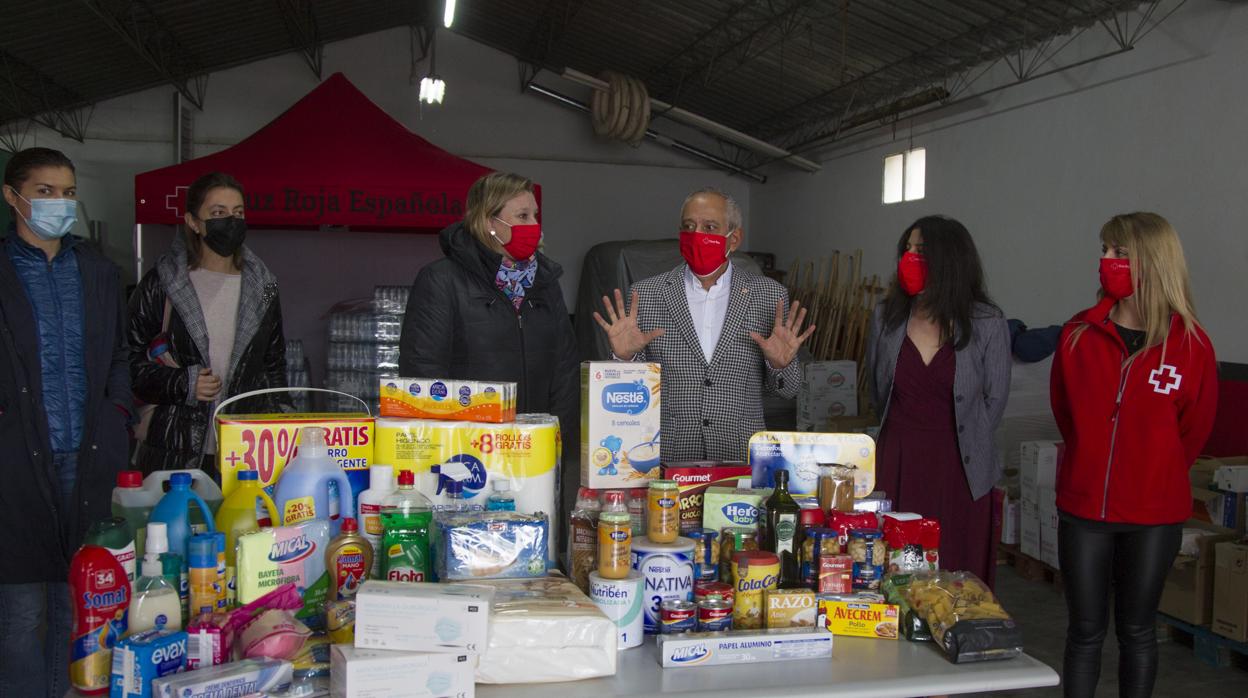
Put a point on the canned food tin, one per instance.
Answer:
(701, 590)
(705, 554)
(677, 616)
(836, 574)
(714, 614)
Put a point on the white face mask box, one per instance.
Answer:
(419, 617)
(361, 673)
(621, 413)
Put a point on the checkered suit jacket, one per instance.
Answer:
(710, 410)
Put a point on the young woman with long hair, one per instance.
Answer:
(1134, 392)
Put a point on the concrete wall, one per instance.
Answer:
(1033, 171)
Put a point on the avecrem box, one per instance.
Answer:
(620, 418)
(743, 647)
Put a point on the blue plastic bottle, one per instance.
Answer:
(303, 490)
(174, 511)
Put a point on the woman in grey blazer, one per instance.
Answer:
(938, 358)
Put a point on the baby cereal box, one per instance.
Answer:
(620, 416)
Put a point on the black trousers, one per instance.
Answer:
(1132, 561)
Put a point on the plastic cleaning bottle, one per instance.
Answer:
(348, 559)
(114, 535)
(134, 504)
(405, 519)
(174, 511)
(156, 484)
(501, 500)
(303, 491)
(380, 486)
(240, 513)
(100, 598)
(202, 571)
(156, 601)
(170, 564)
(218, 540)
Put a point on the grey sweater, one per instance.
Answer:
(981, 387)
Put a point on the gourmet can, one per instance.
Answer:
(835, 574)
(754, 572)
(701, 590)
(621, 601)
(667, 569)
(705, 554)
(714, 614)
(678, 616)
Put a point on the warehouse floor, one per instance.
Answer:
(1041, 611)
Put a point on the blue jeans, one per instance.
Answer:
(35, 618)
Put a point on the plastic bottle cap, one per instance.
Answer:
(349, 525)
(312, 442)
(614, 496)
(247, 475)
(180, 480)
(406, 478)
(157, 538)
(129, 479)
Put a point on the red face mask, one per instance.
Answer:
(704, 252)
(524, 239)
(912, 273)
(1116, 278)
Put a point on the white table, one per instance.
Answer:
(859, 668)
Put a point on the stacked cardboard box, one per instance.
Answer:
(1038, 461)
(1230, 590)
(829, 390)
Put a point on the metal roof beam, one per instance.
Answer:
(142, 29)
(299, 16)
(30, 94)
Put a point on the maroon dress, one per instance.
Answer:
(920, 466)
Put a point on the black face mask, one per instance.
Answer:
(225, 235)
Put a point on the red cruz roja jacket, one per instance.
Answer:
(1132, 426)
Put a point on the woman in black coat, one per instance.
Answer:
(205, 325)
(492, 310)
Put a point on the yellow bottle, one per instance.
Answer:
(349, 560)
(237, 516)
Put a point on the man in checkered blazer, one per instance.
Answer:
(722, 335)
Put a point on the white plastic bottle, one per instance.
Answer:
(156, 601)
(380, 486)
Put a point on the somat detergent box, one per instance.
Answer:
(265, 443)
(443, 398)
(620, 418)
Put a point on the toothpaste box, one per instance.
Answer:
(242, 678)
(743, 647)
(287, 555)
(143, 657)
(846, 615)
(694, 478)
(420, 617)
(620, 416)
(363, 673)
(732, 506)
(446, 399)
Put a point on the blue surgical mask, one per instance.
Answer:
(50, 219)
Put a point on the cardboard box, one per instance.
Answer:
(1188, 592)
(420, 617)
(1221, 509)
(620, 417)
(694, 479)
(1037, 468)
(265, 442)
(1232, 478)
(742, 647)
(732, 506)
(361, 673)
(1230, 590)
(829, 390)
(1011, 518)
(859, 618)
(1048, 534)
(790, 608)
(1029, 529)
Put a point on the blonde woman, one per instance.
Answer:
(492, 309)
(1134, 390)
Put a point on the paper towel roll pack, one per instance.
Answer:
(525, 452)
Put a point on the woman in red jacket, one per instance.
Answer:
(1134, 390)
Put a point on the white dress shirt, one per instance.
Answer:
(708, 308)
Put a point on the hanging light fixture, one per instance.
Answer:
(448, 13)
(432, 87)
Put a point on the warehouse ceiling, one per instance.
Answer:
(795, 73)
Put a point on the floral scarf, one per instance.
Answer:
(514, 278)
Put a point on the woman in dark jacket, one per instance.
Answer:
(492, 310)
(205, 325)
(938, 358)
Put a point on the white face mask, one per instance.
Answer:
(50, 219)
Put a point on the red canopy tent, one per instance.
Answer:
(334, 158)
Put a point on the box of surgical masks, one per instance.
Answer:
(362, 673)
(419, 617)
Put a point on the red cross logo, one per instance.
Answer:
(1165, 379)
(172, 200)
